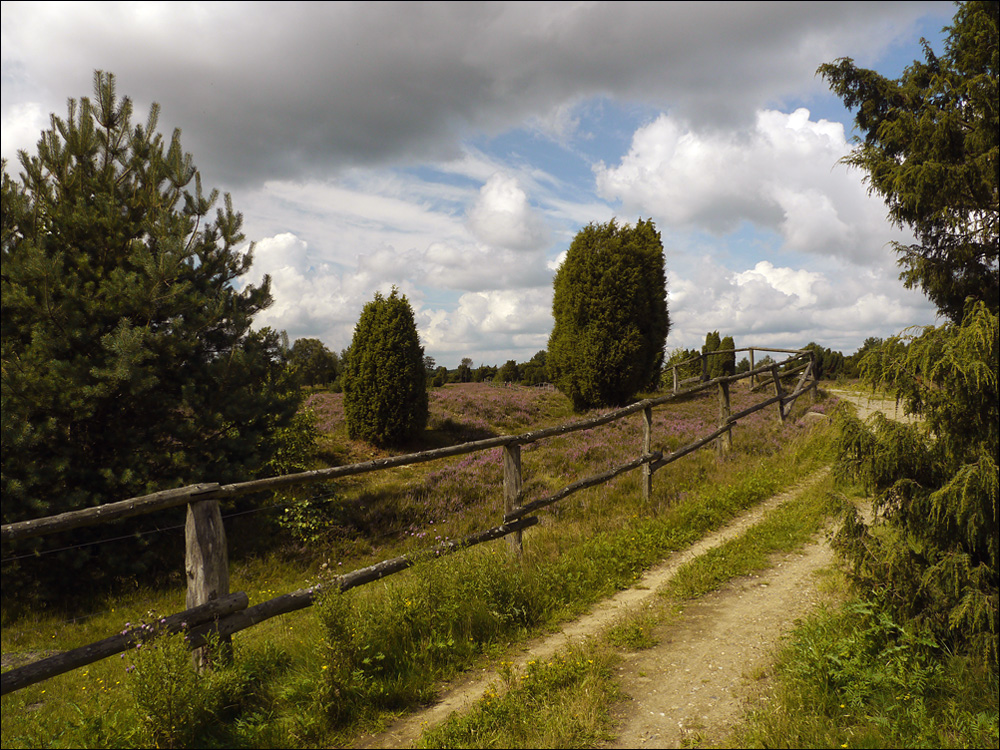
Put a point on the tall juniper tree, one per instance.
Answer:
(128, 360)
(930, 148)
(610, 310)
(385, 380)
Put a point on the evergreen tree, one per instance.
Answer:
(128, 361)
(827, 364)
(727, 362)
(930, 149)
(712, 344)
(610, 310)
(385, 382)
(935, 483)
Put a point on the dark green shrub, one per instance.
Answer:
(727, 361)
(610, 310)
(385, 383)
(931, 553)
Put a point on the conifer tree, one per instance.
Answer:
(712, 344)
(931, 150)
(727, 362)
(610, 310)
(385, 381)
(129, 363)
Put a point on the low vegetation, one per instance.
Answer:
(320, 676)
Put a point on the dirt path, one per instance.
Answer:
(867, 405)
(691, 688)
(692, 680)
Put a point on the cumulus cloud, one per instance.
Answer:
(491, 326)
(783, 175)
(503, 217)
(311, 299)
(20, 127)
(783, 306)
(447, 149)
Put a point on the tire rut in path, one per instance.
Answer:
(691, 688)
(669, 674)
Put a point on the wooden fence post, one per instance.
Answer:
(512, 490)
(752, 377)
(674, 368)
(206, 564)
(811, 373)
(647, 448)
(779, 393)
(704, 367)
(725, 441)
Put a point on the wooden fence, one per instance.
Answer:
(211, 608)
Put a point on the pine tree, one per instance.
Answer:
(385, 382)
(129, 363)
(610, 310)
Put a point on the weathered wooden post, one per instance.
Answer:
(512, 490)
(779, 393)
(704, 367)
(206, 564)
(676, 385)
(752, 377)
(724, 444)
(811, 373)
(647, 448)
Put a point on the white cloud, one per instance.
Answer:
(788, 307)
(784, 176)
(20, 128)
(491, 326)
(503, 217)
(791, 283)
(446, 149)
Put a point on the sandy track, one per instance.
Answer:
(692, 679)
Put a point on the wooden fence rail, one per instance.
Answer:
(212, 609)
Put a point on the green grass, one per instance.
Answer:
(568, 701)
(561, 702)
(594, 543)
(786, 528)
(851, 677)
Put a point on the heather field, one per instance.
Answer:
(453, 497)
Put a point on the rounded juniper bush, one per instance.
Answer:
(385, 382)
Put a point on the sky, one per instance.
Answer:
(453, 150)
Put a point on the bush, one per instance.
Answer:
(610, 310)
(385, 383)
(931, 555)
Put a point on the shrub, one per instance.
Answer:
(385, 383)
(610, 310)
